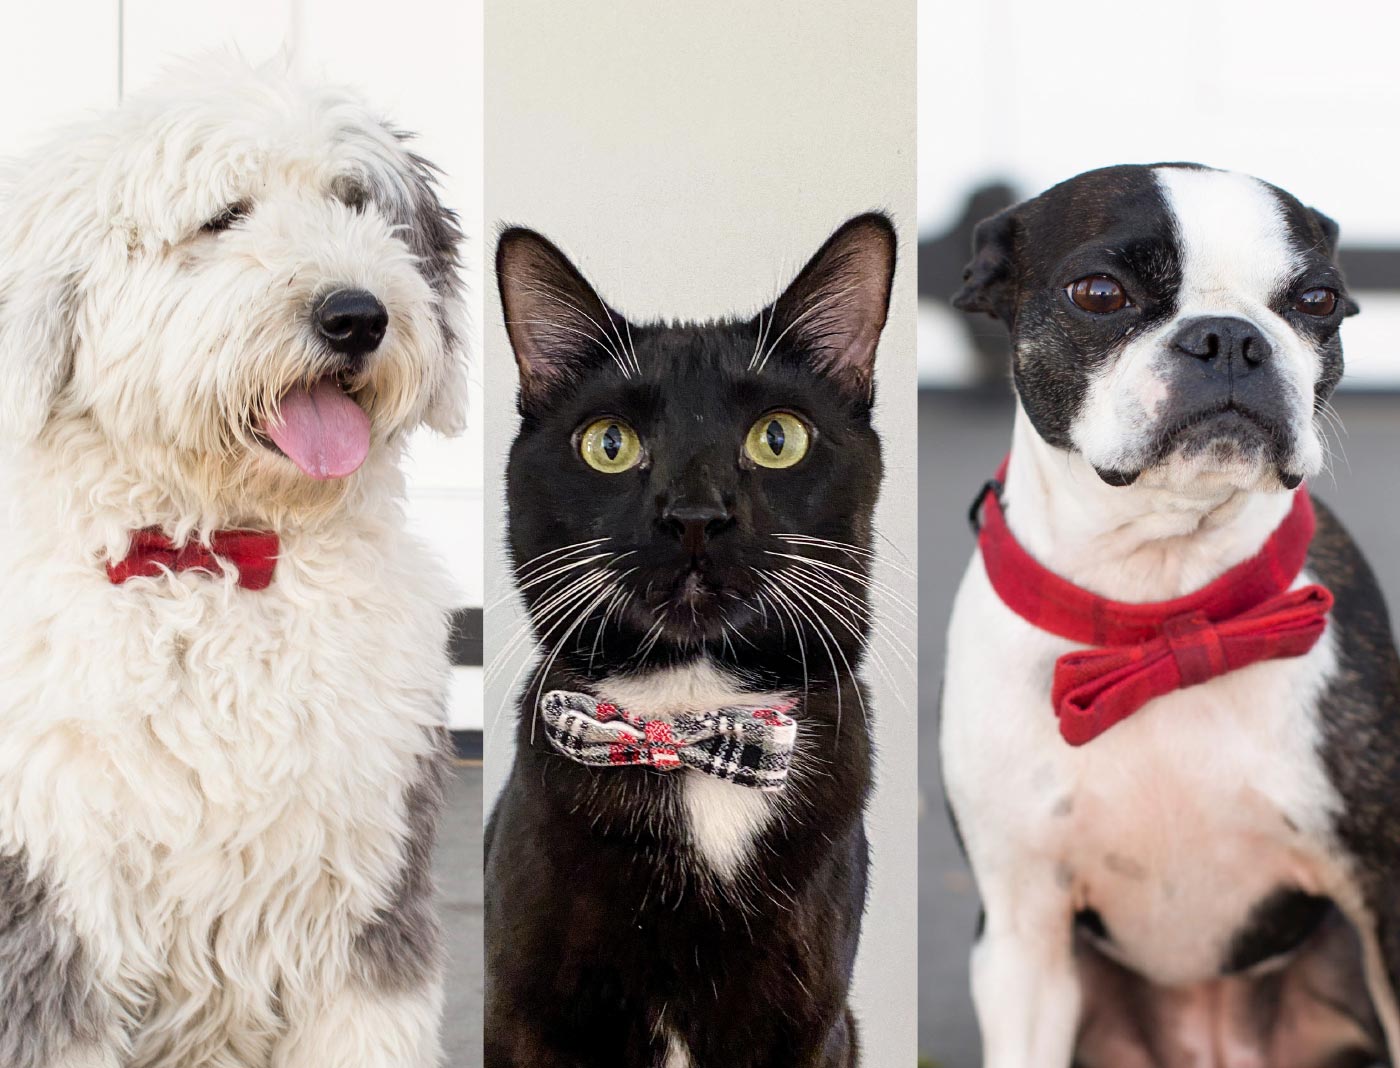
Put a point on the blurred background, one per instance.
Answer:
(1016, 95)
(67, 59)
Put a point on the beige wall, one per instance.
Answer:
(691, 157)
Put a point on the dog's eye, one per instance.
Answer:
(226, 218)
(352, 194)
(1098, 293)
(1320, 301)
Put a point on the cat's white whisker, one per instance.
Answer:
(545, 576)
(611, 558)
(767, 578)
(886, 628)
(556, 325)
(652, 636)
(542, 671)
(553, 293)
(760, 339)
(823, 586)
(889, 541)
(829, 642)
(563, 602)
(890, 592)
(632, 348)
(618, 603)
(578, 546)
(635, 367)
(848, 548)
(550, 601)
(799, 319)
(524, 636)
(545, 604)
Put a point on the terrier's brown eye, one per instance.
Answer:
(1098, 293)
(1320, 301)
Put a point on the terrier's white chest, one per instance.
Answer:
(1172, 825)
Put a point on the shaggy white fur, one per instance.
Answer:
(215, 787)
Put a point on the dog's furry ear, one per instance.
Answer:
(989, 279)
(37, 307)
(435, 236)
(835, 309)
(557, 322)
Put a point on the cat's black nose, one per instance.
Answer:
(352, 322)
(695, 524)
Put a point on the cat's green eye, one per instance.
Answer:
(778, 439)
(610, 446)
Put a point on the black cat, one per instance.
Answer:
(690, 519)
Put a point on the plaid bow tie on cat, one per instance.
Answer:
(750, 746)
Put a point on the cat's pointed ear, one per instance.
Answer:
(557, 323)
(834, 310)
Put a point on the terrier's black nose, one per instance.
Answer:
(1223, 338)
(351, 321)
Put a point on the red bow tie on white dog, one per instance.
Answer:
(253, 552)
(1147, 650)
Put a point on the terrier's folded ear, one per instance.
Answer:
(989, 279)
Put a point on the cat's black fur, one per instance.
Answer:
(607, 932)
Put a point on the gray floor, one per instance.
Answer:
(459, 882)
(961, 440)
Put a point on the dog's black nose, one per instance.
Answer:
(1223, 338)
(352, 321)
(695, 523)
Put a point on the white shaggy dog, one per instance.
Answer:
(222, 307)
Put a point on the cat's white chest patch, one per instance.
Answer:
(722, 819)
(677, 1055)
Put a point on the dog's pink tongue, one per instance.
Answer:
(322, 431)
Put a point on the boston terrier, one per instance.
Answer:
(1171, 716)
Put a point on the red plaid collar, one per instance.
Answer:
(252, 552)
(1145, 650)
